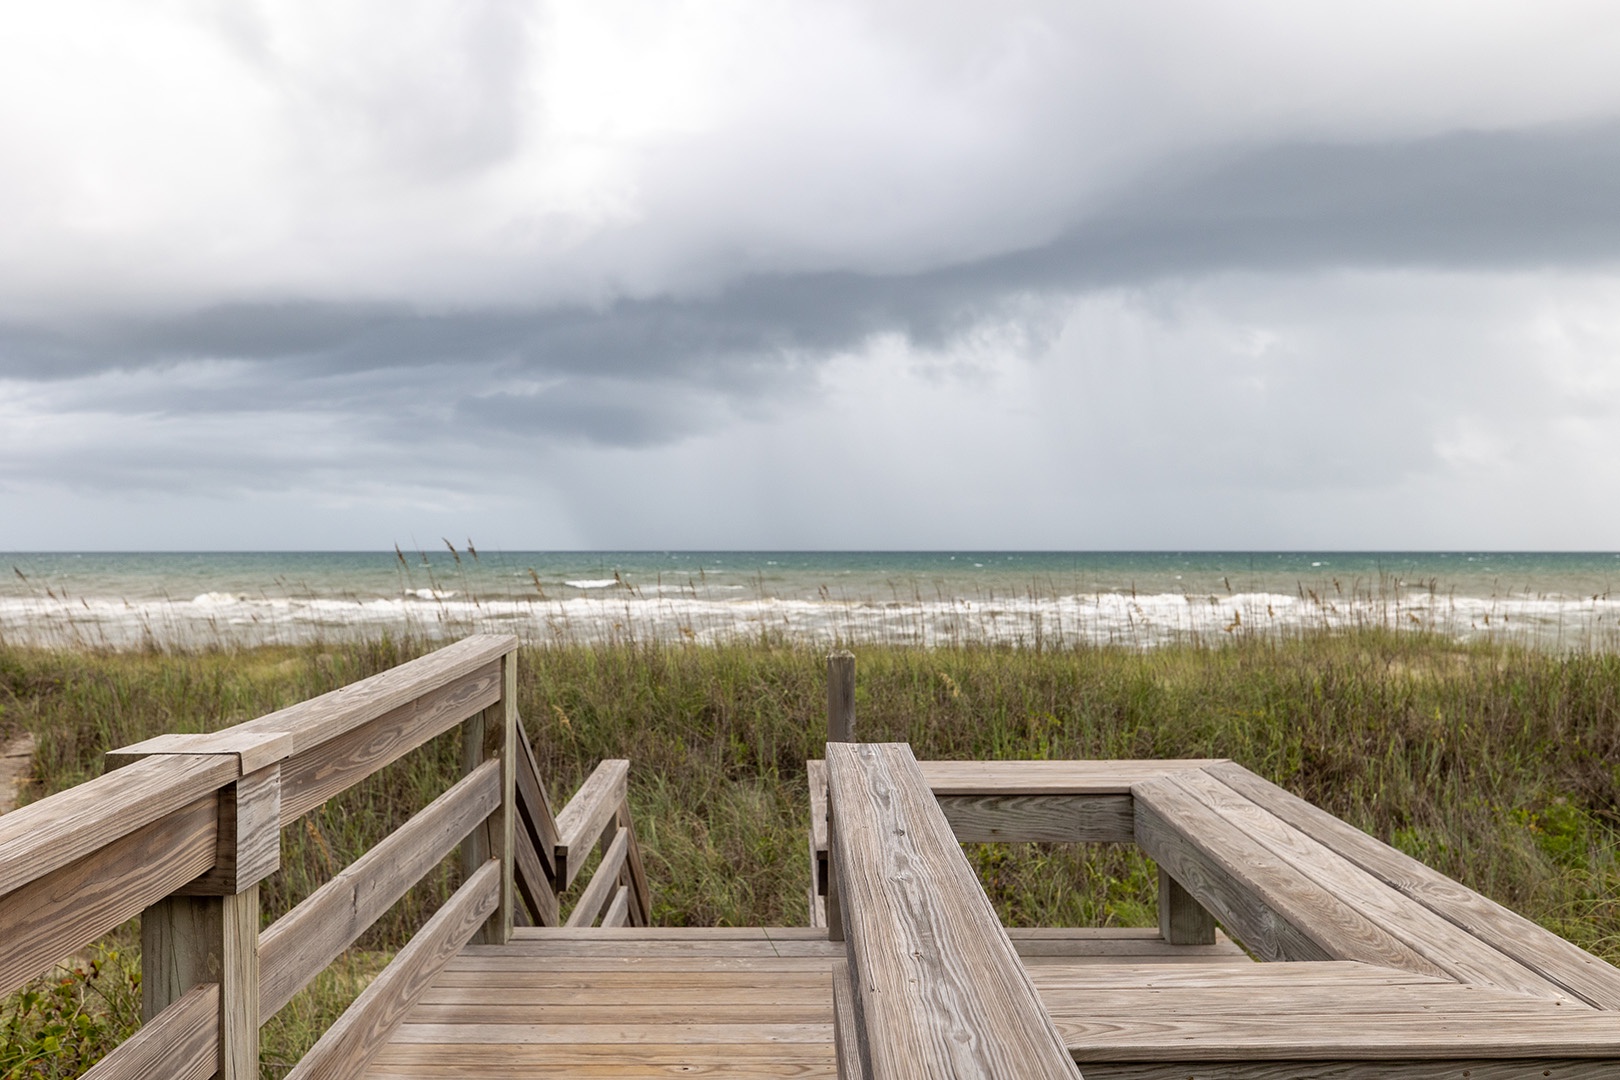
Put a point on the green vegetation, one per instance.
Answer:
(1499, 766)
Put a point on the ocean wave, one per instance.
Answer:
(1107, 618)
(594, 583)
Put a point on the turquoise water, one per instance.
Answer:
(1143, 598)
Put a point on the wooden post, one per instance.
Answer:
(1182, 919)
(495, 729)
(841, 697)
(209, 931)
(840, 729)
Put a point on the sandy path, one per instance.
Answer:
(16, 769)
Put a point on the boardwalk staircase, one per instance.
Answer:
(1289, 944)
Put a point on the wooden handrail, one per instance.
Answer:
(47, 835)
(938, 988)
(54, 915)
(186, 826)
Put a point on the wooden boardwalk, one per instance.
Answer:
(1289, 944)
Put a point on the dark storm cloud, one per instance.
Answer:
(1466, 201)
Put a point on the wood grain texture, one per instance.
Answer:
(249, 845)
(1565, 964)
(587, 814)
(365, 1027)
(1454, 1069)
(254, 750)
(54, 915)
(841, 697)
(314, 775)
(1182, 919)
(534, 802)
(179, 1043)
(1050, 777)
(47, 835)
(599, 890)
(535, 885)
(1165, 1036)
(635, 873)
(311, 935)
(1260, 898)
(188, 941)
(847, 1036)
(618, 909)
(1052, 819)
(940, 990)
(1441, 943)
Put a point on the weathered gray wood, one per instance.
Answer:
(534, 803)
(618, 911)
(841, 697)
(1163, 1035)
(1571, 967)
(179, 1043)
(57, 914)
(587, 814)
(502, 719)
(635, 873)
(249, 835)
(848, 1039)
(320, 720)
(364, 1028)
(187, 941)
(815, 772)
(257, 749)
(606, 878)
(310, 936)
(1182, 919)
(1441, 943)
(833, 909)
(1454, 1069)
(314, 775)
(475, 846)
(941, 991)
(1051, 819)
(1260, 899)
(534, 882)
(1049, 777)
(44, 836)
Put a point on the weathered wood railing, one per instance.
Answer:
(932, 986)
(184, 828)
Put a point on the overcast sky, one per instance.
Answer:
(933, 274)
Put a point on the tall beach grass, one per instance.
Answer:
(1499, 765)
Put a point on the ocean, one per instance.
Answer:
(931, 598)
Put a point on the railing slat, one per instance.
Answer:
(602, 883)
(179, 1043)
(535, 803)
(311, 935)
(618, 912)
(321, 771)
(51, 917)
(363, 1029)
(47, 835)
(587, 815)
(939, 989)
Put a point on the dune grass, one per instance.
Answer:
(1499, 766)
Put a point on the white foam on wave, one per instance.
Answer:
(593, 583)
(717, 615)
